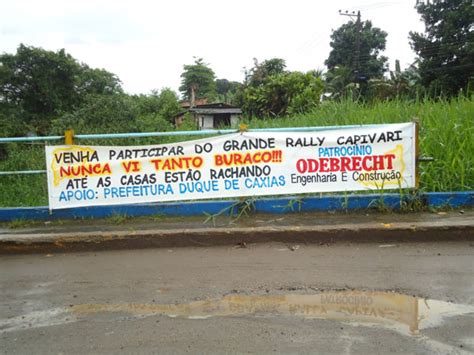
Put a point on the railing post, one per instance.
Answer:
(69, 137)
(417, 153)
(243, 128)
(416, 121)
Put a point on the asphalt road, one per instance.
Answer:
(265, 298)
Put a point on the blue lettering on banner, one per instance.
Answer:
(78, 195)
(198, 186)
(138, 191)
(231, 184)
(264, 182)
(359, 150)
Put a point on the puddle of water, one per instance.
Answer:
(404, 313)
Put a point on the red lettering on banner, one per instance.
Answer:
(84, 170)
(131, 166)
(343, 164)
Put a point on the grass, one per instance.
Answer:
(118, 218)
(447, 134)
(18, 224)
(244, 207)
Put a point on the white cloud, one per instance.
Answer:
(146, 43)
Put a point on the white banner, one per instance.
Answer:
(239, 164)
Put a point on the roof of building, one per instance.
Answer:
(214, 108)
(198, 101)
(215, 105)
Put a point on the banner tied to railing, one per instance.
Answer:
(240, 164)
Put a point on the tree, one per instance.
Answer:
(158, 112)
(37, 86)
(99, 114)
(282, 94)
(399, 85)
(163, 103)
(98, 82)
(339, 81)
(446, 49)
(122, 113)
(40, 83)
(226, 89)
(168, 104)
(197, 80)
(260, 72)
(269, 90)
(372, 42)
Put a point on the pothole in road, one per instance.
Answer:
(405, 314)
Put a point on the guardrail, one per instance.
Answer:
(266, 205)
(69, 137)
(173, 133)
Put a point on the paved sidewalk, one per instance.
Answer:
(122, 233)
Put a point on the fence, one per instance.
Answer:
(69, 137)
(280, 205)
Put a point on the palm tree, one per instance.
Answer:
(339, 81)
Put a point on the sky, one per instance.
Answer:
(146, 43)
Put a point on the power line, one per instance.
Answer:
(356, 64)
(429, 50)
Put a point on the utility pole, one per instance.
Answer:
(356, 59)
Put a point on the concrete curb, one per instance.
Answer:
(451, 228)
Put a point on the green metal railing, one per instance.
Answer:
(69, 136)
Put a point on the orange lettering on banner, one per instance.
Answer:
(266, 156)
(181, 163)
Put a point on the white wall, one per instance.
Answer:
(234, 120)
(206, 121)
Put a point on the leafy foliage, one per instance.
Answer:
(372, 42)
(100, 113)
(282, 93)
(163, 103)
(260, 72)
(339, 81)
(399, 85)
(446, 50)
(226, 90)
(44, 92)
(122, 113)
(157, 111)
(98, 82)
(37, 85)
(198, 77)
